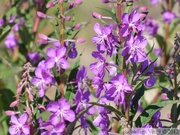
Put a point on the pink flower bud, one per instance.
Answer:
(169, 116)
(41, 14)
(67, 18)
(144, 8)
(60, 1)
(31, 97)
(50, 4)
(96, 15)
(42, 36)
(80, 40)
(9, 113)
(164, 96)
(13, 104)
(77, 26)
(42, 108)
(41, 41)
(28, 110)
(78, 2)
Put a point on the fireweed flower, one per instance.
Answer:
(135, 49)
(33, 57)
(18, 125)
(130, 23)
(98, 68)
(144, 130)
(155, 120)
(119, 87)
(168, 16)
(151, 26)
(43, 78)
(60, 111)
(1, 22)
(56, 57)
(11, 41)
(105, 39)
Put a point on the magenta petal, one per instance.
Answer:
(134, 16)
(23, 118)
(53, 107)
(13, 130)
(51, 52)
(14, 119)
(61, 52)
(50, 63)
(26, 129)
(64, 104)
(97, 28)
(70, 116)
(64, 64)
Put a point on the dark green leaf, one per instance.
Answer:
(173, 26)
(160, 40)
(110, 108)
(148, 112)
(174, 113)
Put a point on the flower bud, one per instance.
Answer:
(164, 96)
(42, 36)
(41, 14)
(77, 26)
(80, 40)
(78, 2)
(9, 113)
(1, 22)
(105, 1)
(67, 18)
(50, 4)
(96, 15)
(14, 103)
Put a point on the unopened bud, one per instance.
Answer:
(80, 40)
(96, 15)
(42, 36)
(41, 14)
(78, 2)
(164, 96)
(50, 4)
(1, 22)
(13, 104)
(105, 1)
(42, 108)
(67, 18)
(9, 113)
(77, 26)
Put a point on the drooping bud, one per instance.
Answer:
(41, 14)
(77, 26)
(9, 113)
(50, 4)
(80, 40)
(78, 2)
(96, 15)
(14, 103)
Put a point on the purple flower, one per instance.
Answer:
(105, 40)
(1, 22)
(168, 16)
(98, 68)
(11, 41)
(153, 2)
(33, 57)
(119, 86)
(56, 57)
(151, 26)
(131, 23)
(155, 120)
(134, 49)
(43, 78)
(71, 46)
(19, 126)
(98, 84)
(60, 111)
(12, 18)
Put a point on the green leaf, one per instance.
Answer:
(173, 26)
(110, 108)
(5, 32)
(160, 40)
(6, 98)
(148, 112)
(151, 52)
(174, 113)
(113, 15)
(139, 94)
(128, 7)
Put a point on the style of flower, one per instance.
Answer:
(134, 49)
(60, 111)
(19, 125)
(168, 16)
(105, 39)
(119, 87)
(56, 57)
(43, 78)
(11, 41)
(131, 23)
